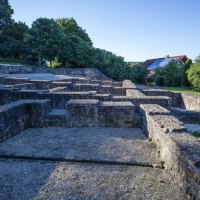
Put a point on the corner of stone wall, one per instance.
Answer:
(179, 151)
(190, 101)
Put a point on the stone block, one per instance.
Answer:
(116, 114)
(20, 115)
(154, 109)
(128, 84)
(83, 113)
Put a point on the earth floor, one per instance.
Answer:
(88, 163)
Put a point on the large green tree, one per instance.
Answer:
(184, 80)
(75, 52)
(45, 38)
(5, 13)
(12, 40)
(194, 74)
(115, 67)
(76, 45)
(71, 27)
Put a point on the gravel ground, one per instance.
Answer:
(62, 181)
(45, 76)
(50, 180)
(192, 127)
(107, 144)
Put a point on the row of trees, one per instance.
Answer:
(60, 42)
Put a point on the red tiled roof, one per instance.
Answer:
(148, 62)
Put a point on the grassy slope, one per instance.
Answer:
(182, 89)
(13, 61)
(196, 133)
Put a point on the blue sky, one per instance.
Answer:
(134, 29)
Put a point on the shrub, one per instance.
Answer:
(184, 80)
(150, 80)
(138, 74)
(171, 73)
(176, 78)
(194, 74)
(159, 80)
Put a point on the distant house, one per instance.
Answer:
(152, 64)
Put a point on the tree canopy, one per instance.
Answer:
(5, 13)
(45, 37)
(184, 80)
(71, 27)
(194, 74)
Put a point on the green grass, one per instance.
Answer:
(182, 89)
(196, 133)
(13, 61)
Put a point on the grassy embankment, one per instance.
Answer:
(15, 62)
(182, 89)
(196, 133)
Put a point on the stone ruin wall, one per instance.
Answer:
(179, 151)
(21, 69)
(91, 73)
(182, 100)
(26, 104)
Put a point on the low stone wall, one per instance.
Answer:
(23, 86)
(187, 116)
(134, 93)
(92, 73)
(166, 102)
(129, 84)
(176, 97)
(90, 113)
(21, 69)
(190, 101)
(20, 115)
(182, 100)
(107, 87)
(59, 99)
(179, 151)
(13, 81)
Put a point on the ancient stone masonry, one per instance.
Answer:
(21, 69)
(182, 100)
(187, 116)
(20, 115)
(179, 151)
(91, 73)
(59, 109)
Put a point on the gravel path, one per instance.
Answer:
(23, 179)
(45, 76)
(56, 181)
(107, 144)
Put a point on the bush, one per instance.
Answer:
(138, 74)
(171, 73)
(16, 61)
(185, 81)
(149, 80)
(176, 78)
(159, 80)
(194, 74)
